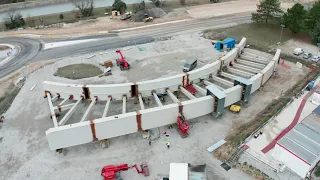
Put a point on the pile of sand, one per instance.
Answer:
(154, 12)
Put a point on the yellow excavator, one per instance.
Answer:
(235, 108)
(147, 18)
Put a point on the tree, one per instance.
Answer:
(315, 33)
(158, 3)
(85, 7)
(294, 18)
(139, 7)
(182, 2)
(313, 15)
(31, 21)
(119, 5)
(14, 20)
(214, 1)
(266, 10)
(61, 16)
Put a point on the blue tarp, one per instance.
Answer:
(228, 42)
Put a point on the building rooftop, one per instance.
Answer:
(304, 139)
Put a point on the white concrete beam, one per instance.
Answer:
(207, 83)
(248, 58)
(69, 113)
(84, 117)
(223, 81)
(228, 75)
(173, 97)
(240, 73)
(53, 115)
(141, 102)
(200, 89)
(106, 109)
(254, 55)
(55, 98)
(64, 107)
(157, 99)
(246, 68)
(252, 64)
(124, 104)
(187, 93)
(63, 101)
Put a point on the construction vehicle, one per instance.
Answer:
(183, 126)
(122, 62)
(112, 172)
(106, 64)
(235, 108)
(126, 16)
(147, 18)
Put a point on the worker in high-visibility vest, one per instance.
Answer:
(168, 144)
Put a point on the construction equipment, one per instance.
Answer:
(235, 108)
(126, 16)
(183, 126)
(122, 62)
(107, 64)
(112, 172)
(147, 18)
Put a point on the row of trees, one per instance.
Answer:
(296, 19)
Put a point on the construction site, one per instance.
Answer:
(164, 105)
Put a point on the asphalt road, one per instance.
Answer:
(31, 48)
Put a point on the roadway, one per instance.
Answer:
(31, 49)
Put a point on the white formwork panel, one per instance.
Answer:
(233, 95)
(65, 90)
(204, 71)
(114, 126)
(267, 72)
(114, 90)
(230, 56)
(256, 82)
(291, 160)
(69, 135)
(276, 58)
(242, 44)
(198, 107)
(160, 84)
(159, 116)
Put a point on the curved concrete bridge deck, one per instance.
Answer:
(221, 74)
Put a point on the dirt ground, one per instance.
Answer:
(24, 152)
(83, 71)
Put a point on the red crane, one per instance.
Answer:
(122, 62)
(112, 172)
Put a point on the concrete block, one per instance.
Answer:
(233, 95)
(198, 107)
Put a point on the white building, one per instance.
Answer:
(299, 149)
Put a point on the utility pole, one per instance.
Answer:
(282, 26)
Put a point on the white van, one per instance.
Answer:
(298, 51)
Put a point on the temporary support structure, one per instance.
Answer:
(219, 99)
(173, 97)
(84, 117)
(64, 107)
(63, 101)
(240, 73)
(124, 104)
(200, 89)
(223, 81)
(252, 64)
(207, 83)
(105, 111)
(53, 115)
(157, 99)
(187, 93)
(55, 98)
(141, 102)
(246, 90)
(69, 113)
(228, 75)
(246, 68)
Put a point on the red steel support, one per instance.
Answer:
(93, 130)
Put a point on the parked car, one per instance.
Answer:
(316, 58)
(190, 65)
(307, 55)
(298, 51)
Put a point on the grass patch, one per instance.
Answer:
(259, 36)
(252, 171)
(78, 71)
(7, 99)
(317, 172)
